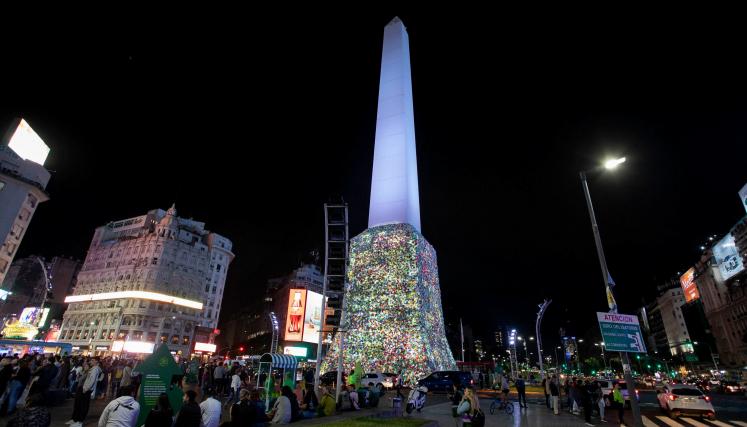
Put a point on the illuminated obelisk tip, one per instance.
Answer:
(394, 185)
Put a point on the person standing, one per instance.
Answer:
(190, 414)
(522, 391)
(555, 394)
(218, 374)
(618, 401)
(122, 411)
(546, 389)
(585, 399)
(211, 411)
(18, 384)
(599, 396)
(83, 394)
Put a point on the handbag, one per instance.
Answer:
(478, 419)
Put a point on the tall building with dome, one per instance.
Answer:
(147, 280)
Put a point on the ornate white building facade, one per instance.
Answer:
(147, 280)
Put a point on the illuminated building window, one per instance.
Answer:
(175, 339)
(185, 340)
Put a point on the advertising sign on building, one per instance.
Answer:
(28, 145)
(689, 287)
(621, 332)
(727, 257)
(30, 315)
(296, 310)
(312, 323)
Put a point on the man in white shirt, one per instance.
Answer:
(211, 411)
(83, 395)
(122, 411)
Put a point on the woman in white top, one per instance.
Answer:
(281, 412)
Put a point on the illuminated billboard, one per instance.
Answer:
(296, 310)
(312, 322)
(689, 288)
(28, 145)
(30, 315)
(727, 257)
(206, 347)
(296, 351)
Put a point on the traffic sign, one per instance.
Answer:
(621, 332)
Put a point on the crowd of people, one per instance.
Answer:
(216, 394)
(583, 394)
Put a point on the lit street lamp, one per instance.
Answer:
(604, 359)
(611, 165)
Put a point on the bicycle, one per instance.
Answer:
(499, 404)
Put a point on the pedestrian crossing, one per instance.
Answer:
(663, 420)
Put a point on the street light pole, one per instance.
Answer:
(610, 297)
(540, 314)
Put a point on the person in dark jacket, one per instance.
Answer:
(161, 415)
(582, 391)
(244, 412)
(190, 415)
(17, 384)
(555, 394)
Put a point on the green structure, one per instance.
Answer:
(160, 374)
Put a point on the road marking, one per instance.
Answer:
(739, 423)
(668, 421)
(720, 424)
(694, 422)
(648, 423)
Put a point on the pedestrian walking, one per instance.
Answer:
(546, 390)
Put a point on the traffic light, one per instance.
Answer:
(648, 366)
(593, 372)
(638, 356)
(241, 348)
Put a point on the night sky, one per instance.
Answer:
(250, 125)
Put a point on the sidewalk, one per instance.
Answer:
(535, 415)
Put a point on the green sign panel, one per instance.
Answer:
(160, 374)
(621, 332)
(691, 357)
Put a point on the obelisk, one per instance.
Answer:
(393, 317)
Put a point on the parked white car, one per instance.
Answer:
(681, 399)
(382, 380)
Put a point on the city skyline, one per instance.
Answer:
(511, 187)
